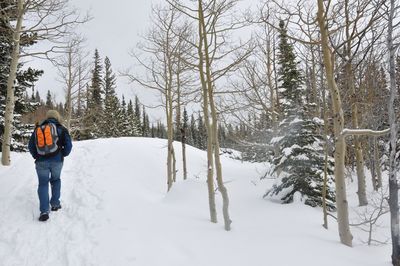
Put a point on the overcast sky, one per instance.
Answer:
(114, 30)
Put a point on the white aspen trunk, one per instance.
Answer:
(393, 184)
(372, 160)
(79, 111)
(179, 125)
(340, 145)
(314, 84)
(184, 161)
(170, 155)
(362, 194)
(69, 91)
(377, 163)
(274, 110)
(325, 117)
(10, 101)
(213, 134)
(210, 159)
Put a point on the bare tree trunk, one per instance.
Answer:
(69, 91)
(179, 123)
(314, 84)
(373, 164)
(377, 164)
(210, 161)
(183, 135)
(213, 134)
(340, 145)
(362, 194)
(10, 102)
(170, 152)
(325, 116)
(393, 184)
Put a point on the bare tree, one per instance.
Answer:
(393, 184)
(165, 49)
(340, 145)
(215, 61)
(71, 74)
(48, 21)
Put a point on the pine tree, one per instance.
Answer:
(49, 101)
(201, 141)
(185, 127)
(301, 161)
(145, 124)
(94, 112)
(110, 124)
(25, 79)
(193, 132)
(138, 116)
(289, 76)
(123, 120)
(96, 86)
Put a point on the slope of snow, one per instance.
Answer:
(116, 212)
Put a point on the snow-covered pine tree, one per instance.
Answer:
(185, 126)
(123, 120)
(134, 129)
(201, 141)
(193, 132)
(94, 110)
(25, 79)
(138, 115)
(49, 100)
(145, 123)
(110, 124)
(300, 163)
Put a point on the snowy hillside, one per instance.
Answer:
(116, 212)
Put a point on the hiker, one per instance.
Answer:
(49, 144)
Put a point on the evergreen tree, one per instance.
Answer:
(301, 161)
(289, 76)
(49, 101)
(96, 87)
(138, 115)
(25, 79)
(185, 127)
(145, 124)
(110, 124)
(192, 137)
(124, 123)
(133, 122)
(201, 141)
(94, 113)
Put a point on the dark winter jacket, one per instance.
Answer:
(64, 143)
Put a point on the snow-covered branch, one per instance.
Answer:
(368, 132)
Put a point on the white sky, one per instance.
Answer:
(114, 30)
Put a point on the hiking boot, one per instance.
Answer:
(55, 208)
(43, 217)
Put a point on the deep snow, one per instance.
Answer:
(116, 212)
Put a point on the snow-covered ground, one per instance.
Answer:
(116, 212)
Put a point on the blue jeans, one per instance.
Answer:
(49, 171)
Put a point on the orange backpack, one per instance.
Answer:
(46, 137)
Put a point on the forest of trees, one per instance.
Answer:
(314, 91)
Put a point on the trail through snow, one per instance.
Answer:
(116, 212)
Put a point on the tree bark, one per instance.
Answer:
(10, 102)
(210, 159)
(213, 134)
(340, 145)
(377, 164)
(393, 184)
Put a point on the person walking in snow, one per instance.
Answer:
(49, 144)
